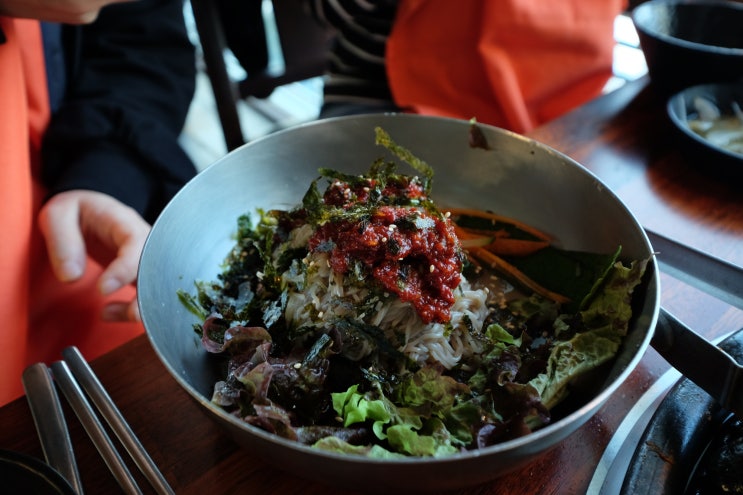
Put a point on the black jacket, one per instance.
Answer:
(120, 104)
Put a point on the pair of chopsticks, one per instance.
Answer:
(80, 386)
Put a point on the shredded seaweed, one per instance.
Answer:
(345, 384)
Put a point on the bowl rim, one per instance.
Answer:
(679, 121)
(644, 29)
(527, 443)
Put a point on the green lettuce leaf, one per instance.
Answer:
(606, 321)
(574, 274)
(335, 444)
(354, 407)
(416, 423)
(403, 438)
(429, 392)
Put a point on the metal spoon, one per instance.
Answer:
(50, 423)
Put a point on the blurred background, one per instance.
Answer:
(300, 101)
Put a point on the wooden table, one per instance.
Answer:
(625, 139)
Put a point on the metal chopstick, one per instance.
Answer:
(720, 376)
(50, 423)
(93, 387)
(93, 427)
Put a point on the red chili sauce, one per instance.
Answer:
(411, 252)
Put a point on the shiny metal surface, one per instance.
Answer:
(89, 382)
(51, 426)
(515, 176)
(713, 275)
(720, 376)
(94, 428)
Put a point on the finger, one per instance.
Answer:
(116, 235)
(64, 240)
(120, 272)
(123, 269)
(120, 311)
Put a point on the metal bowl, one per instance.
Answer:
(685, 107)
(688, 42)
(516, 176)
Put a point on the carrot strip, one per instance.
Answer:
(497, 263)
(469, 231)
(498, 241)
(463, 233)
(515, 247)
(499, 218)
(470, 239)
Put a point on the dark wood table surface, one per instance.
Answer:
(626, 140)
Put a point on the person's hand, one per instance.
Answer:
(79, 223)
(64, 11)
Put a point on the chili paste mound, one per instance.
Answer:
(368, 321)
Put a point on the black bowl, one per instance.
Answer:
(21, 474)
(683, 109)
(689, 42)
(688, 427)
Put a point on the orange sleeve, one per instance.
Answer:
(511, 63)
(41, 315)
(21, 125)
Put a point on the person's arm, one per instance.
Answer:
(81, 223)
(110, 157)
(69, 11)
(131, 79)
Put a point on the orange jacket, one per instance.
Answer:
(40, 315)
(509, 63)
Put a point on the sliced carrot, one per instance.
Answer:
(498, 242)
(475, 242)
(469, 231)
(469, 239)
(499, 264)
(514, 247)
(499, 218)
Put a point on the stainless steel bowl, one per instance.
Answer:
(516, 176)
